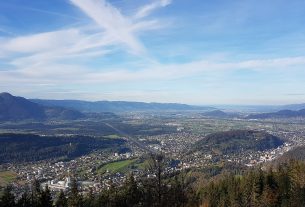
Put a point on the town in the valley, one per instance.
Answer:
(100, 169)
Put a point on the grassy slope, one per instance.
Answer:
(7, 177)
(119, 166)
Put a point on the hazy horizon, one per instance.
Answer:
(218, 106)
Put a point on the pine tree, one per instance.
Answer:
(61, 200)
(89, 201)
(157, 183)
(131, 192)
(177, 195)
(24, 201)
(45, 198)
(35, 194)
(75, 199)
(8, 198)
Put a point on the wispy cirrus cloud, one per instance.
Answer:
(109, 30)
(155, 72)
(149, 8)
(40, 42)
(47, 60)
(54, 77)
(112, 21)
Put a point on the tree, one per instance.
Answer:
(89, 201)
(45, 198)
(61, 200)
(177, 196)
(35, 193)
(156, 170)
(75, 199)
(8, 198)
(25, 200)
(131, 192)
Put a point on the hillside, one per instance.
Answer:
(236, 141)
(219, 114)
(28, 147)
(62, 113)
(297, 153)
(280, 114)
(18, 108)
(13, 108)
(294, 107)
(118, 106)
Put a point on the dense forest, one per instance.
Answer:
(236, 141)
(29, 147)
(280, 186)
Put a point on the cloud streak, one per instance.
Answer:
(60, 73)
(149, 8)
(112, 21)
(40, 42)
(109, 30)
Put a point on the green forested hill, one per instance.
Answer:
(29, 147)
(235, 141)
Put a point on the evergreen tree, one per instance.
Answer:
(45, 198)
(61, 200)
(35, 193)
(89, 201)
(157, 183)
(177, 196)
(8, 198)
(75, 199)
(24, 201)
(131, 192)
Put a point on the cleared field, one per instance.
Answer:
(119, 166)
(7, 177)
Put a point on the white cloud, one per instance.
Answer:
(75, 74)
(72, 77)
(273, 63)
(149, 8)
(47, 48)
(110, 19)
(111, 30)
(40, 42)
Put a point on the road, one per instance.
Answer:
(130, 139)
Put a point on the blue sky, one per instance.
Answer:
(197, 52)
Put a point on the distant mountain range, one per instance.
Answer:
(13, 108)
(280, 114)
(260, 108)
(293, 107)
(19, 108)
(119, 106)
